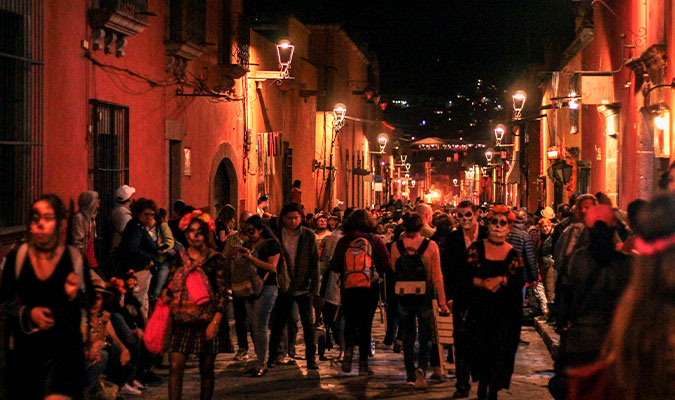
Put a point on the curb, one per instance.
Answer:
(548, 334)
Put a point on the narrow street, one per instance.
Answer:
(533, 369)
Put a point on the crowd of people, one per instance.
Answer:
(89, 317)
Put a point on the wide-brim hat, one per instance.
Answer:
(99, 286)
(548, 213)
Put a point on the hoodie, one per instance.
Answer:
(83, 225)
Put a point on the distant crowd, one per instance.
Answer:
(83, 316)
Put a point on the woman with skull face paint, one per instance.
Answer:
(496, 308)
(197, 337)
(41, 308)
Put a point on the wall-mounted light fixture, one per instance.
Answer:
(382, 140)
(500, 130)
(285, 52)
(339, 112)
(489, 154)
(519, 98)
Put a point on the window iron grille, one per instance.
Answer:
(110, 156)
(21, 125)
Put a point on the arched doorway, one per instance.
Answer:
(224, 185)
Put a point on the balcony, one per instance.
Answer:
(122, 17)
(187, 29)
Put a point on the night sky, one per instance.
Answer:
(435, 47)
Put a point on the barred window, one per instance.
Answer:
(20, 112)
(109, 155)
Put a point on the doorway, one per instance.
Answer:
(224, 185)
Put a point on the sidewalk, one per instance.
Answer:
(548, 334)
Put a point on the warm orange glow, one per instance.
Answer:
(661, 122)
(552, 154)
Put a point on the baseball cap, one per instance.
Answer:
(124, 192)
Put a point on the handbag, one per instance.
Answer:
(157, 330)
(245, 280)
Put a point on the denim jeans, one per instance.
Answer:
(93, 371)
(415, 317)
(158, 280)
(282, 312)
(258, 312)
(240, 322)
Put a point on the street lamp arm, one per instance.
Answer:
(670, 85)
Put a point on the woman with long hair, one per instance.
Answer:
(415, 311)
(496, 306)
(41, 290)
(197, 298)
(263, 251)
(638, 357)
(360, 283)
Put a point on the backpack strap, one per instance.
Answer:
(401, 247)
(423, 246)
(21, 254)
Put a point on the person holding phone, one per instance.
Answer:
(263, 250)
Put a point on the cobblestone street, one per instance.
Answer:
(533, 369)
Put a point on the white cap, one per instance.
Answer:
(124, 192)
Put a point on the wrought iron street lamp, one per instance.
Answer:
(339, 112)
(382, 140)
(489, 154)
(285, 52)
(519, 103)
(285, 56)
(500, 130)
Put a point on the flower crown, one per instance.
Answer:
(504, 210)
(197, 214)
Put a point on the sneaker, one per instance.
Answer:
(138, 385)
(127, 389)
(242, 355)
(410, 384)
(420, 381)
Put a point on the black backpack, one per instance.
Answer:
(411, 274)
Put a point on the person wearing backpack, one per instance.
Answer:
(360, 258)
(254, 278)
(43, 293)
(417, 265)
(197, 299)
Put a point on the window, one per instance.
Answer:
(110, 155)
(187, 22)
(20, 112)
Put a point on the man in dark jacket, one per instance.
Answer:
(459, 286)
(139, 250)
(302, 260)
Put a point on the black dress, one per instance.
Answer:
(43, 362)
(496, 317)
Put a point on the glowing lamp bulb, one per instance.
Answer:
(661, 122)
